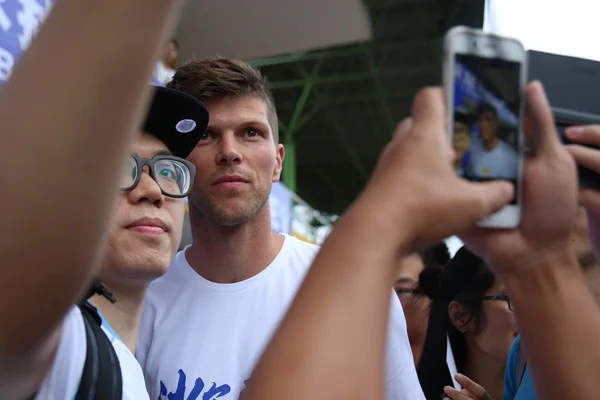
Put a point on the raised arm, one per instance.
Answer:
(332, 341)
(54, 202)
(559, 320)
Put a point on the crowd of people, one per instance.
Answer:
(98, 303)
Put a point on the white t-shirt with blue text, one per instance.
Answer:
(500, 163)
(62, 381)
(200, 340)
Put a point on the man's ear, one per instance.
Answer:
(279, 155)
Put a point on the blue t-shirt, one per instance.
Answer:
(525, 391)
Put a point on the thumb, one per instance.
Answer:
(540, 129)
(403, 129)
(490, 197)
(429, 111)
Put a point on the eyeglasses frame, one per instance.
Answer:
(502, 297)
(151, 162)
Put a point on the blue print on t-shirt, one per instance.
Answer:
(19, 22)
(214, 392)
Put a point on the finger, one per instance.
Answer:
(588, 134)
(488, 197)
(403, 128)
(585, 156)
(453, 156)
(541, 131)
(455, 394)
(429, 111)
(590, 199)
(471, 386)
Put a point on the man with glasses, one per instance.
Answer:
(145, 231)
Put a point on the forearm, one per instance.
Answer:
(68, 114)
(333, 337)
(559, 323)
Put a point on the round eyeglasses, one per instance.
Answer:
(500, 298)
(172, 174)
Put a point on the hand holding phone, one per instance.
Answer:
(484, 77)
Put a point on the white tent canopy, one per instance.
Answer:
(261, 28)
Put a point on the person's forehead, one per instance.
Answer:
(147, 145)
(410, 268)
(237, 109)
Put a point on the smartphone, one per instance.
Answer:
(563, 119)
(484, 80)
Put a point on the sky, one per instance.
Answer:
(567, 27)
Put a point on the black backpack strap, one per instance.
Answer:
(101, 378)
(520, 366)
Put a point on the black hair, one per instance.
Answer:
(466, 279)
(437, 255)
(484, 107)
(462, 117)
(434, 259)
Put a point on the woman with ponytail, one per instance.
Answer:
(416, 304)
(469, 310)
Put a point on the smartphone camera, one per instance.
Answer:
(485, 90)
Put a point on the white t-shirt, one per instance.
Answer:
(163, 74)
(62, 381)
(501, 162)
(201, 340)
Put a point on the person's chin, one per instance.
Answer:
(153, 262)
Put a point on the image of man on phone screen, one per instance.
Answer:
(493, 159)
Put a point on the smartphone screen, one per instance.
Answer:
(487, 107)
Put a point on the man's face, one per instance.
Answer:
(138, 255)
(236, 162)
(461, 139)
(487, 126)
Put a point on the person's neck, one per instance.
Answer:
(416, 345)
(486, 371)
(491, 144)
(232, 254)
(166, 63)
(124, 315)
